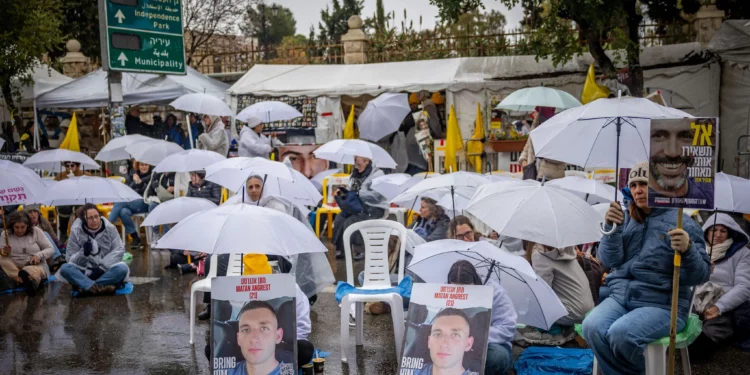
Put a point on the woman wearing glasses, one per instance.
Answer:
(94, 255)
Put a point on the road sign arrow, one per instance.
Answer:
(119, 16)
(122, 58)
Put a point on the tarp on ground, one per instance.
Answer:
(732, 43)
(91, 91)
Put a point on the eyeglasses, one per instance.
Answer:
(464, 236)
(69, 165)
(92, 218)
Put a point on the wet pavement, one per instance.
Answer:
(147, 332)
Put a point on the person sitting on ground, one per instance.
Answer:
(124, 211)
(358, 202)
(559, 268)
(723, 319)
(640, 253)
(37, 220)
(23, 259)
(432, 223)
(503, 323)
(71, 169)
(200, 188)
(94, 255)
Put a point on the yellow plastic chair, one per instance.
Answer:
(119, 178)
(326, 208)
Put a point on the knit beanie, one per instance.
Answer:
(639, 173)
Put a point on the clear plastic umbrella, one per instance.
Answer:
(175, 210)
(242, 228)
(188, 161)
(383, 116)
(51, 160)
(535, 302)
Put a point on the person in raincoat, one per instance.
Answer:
(728, 317)
(358, 202)
(215, 138)
(23, 260)
(253, 143)
(640, 253)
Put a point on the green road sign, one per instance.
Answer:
(143, 36)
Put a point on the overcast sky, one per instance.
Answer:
(307, 12)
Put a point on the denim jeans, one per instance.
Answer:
(124, 211)
(56, 252)
(499, 359)
(75, 277)
(619, 337)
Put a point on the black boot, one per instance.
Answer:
(185, 268)
(135, 241)
(205, 314)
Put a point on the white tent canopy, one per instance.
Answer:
(91, 90)
(45, 79)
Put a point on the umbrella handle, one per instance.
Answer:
(605, 232)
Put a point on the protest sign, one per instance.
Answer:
(447, 329)
(682, 163)
(254, 325)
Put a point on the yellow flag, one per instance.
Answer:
(71, 138)
(349, 131)
(453, 142)
(591, 90)
(475, 145)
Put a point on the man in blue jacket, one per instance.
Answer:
(640, 253)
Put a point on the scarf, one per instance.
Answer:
(356, 179)
(720, 250)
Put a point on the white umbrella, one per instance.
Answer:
(115, 149)
(269, 111)
(592, 191)
(51, 160)
(174, 210)
(732, 193)
(85, 189)
(2, 142)
(300, 192)
(535, 302)
(19, 185)
(390, 185)
(202, 103)
(317, 180)
(442, 184)
(189, 161)
(533, 212)
(233, 172)
(383, 116)
(525, 100)
(242, 228)
(459, 200)
(591, 135)
(152, 153)
(343, 151)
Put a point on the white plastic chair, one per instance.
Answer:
(376, 234)
(137, 219)
(204, 286)
(234, 266)
(398, 213)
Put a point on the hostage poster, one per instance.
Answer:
(447, 329)
(682, 163)
(254, 329)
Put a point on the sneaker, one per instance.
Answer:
(135, 243)
(339, 254)
(185, 268)
(29, 285)
(103, 290)
(205, 314)
(358, 256)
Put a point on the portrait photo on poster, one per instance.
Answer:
(254, 329)
(303, 160)
(682, 163)
(447, 330)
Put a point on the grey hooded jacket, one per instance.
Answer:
(733, 271)
(108, 247)
(560, 269)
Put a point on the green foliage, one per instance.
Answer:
(81, 22)
(334, 20)
(269, 24)
(451, 10)
(30, 28)
(380, 16)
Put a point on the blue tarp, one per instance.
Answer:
(537, 360)
(403, 288)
